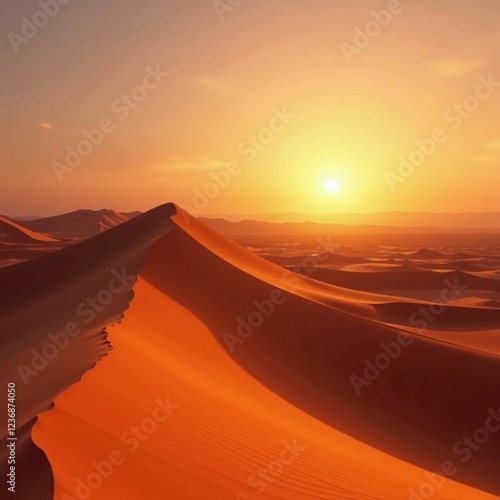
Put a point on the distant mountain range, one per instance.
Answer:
(391, 219)
(90, 222)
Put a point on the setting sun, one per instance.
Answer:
(332, 185)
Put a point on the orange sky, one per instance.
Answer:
(279, 93)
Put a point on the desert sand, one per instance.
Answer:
(155, 358)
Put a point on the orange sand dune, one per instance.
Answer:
(27, 239)
(374, 267)
(225, 429)
(329, 259)
(11, 232)
(396, 280)
(79, 224)
(18, 243)
(195, 402)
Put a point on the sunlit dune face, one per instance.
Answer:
(332, 185)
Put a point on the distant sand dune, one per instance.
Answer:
(79, 224)
(10, 232)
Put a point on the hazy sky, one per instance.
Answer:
(280, 93)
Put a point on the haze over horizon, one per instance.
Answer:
(420, 220)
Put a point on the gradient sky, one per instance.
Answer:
(351, 120)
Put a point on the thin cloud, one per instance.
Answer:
(213, 85)
(488, 158)
(458, 66)
(491, 152)
(185, 164)
(493, 144)
(194, 163)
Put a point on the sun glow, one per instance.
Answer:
(332, 185)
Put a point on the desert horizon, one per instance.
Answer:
(419, 220)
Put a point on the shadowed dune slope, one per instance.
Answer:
(53, 310)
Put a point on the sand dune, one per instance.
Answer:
(17, 234)
(227, 426)
(79, 224)
(21, 240)
(396, 280)
(195, 402)
(329, 259)
(18, 243)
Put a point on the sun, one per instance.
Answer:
(332, 185)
